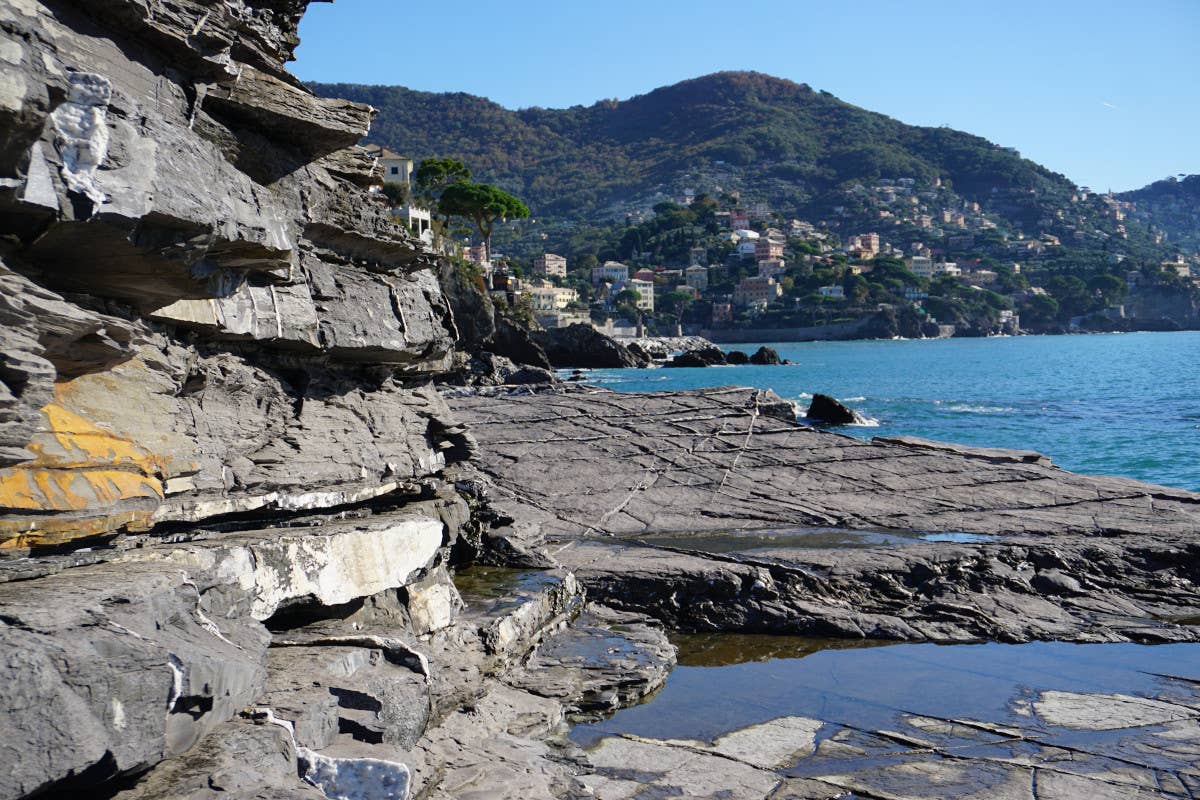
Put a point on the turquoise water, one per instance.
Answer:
(1122, 404)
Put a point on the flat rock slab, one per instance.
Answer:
(715, 510)
(594, 461)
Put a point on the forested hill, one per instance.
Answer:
(1174, 206)
(770, 139)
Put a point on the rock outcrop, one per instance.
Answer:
(715, 510)
(827, 410)
(765, 356)
(217, 352)
(585, 347)
(206, 311)
(709, 356)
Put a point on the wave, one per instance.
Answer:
(963, 408)
(853, 399)
(867, 422)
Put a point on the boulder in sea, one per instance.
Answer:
(700, 357)
(736, 357)
(765, 356)
(830, 411)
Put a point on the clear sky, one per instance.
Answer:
(1106, 92)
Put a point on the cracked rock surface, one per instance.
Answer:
(715, 510)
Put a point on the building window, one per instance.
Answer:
(395, 170)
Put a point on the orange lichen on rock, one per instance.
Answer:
(73, 442)
(78, 467)
(22, 533)
(72, 489)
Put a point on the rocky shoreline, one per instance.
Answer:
(275, 521)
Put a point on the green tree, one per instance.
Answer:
(1111, 289)
(1072, 295)
(676, 302)
(482, 204)
(433, 175)
(1040, 308)
(396, 193)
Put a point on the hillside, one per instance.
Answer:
(769, 139)
(1173, 206)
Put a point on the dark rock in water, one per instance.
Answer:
(736, 357)
(765, 356)
(583, 346)
(700, 357)
(830, 411)
(641, 352)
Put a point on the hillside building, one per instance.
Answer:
(550, 264)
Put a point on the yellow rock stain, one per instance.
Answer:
(77, 467)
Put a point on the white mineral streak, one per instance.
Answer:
(338, 568)
(346, 778)
(334, 566)
(82, 131)
(191, 511)
(355, 778)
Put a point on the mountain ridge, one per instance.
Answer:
(796, 141)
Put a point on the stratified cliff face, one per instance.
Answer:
(203, 310)
(207, 327)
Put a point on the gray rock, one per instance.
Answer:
(583, 346)
(373, 700)
(241, 760)
(605, 660)
(827, 410)
(128, 656)
(791, 529)
(998, 454)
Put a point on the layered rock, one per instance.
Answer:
(217, 352)
(206, 312)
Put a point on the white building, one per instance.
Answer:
(947, 268)
(610, 272)
(921, 266)
(550, 264)
(551, 298)
(396, 168)
(696, 276)
(645, 290)
(418, 220)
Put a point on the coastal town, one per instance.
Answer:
(941, 265)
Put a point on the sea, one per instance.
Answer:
(1106, 404)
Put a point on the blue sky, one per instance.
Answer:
(1107, 93)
